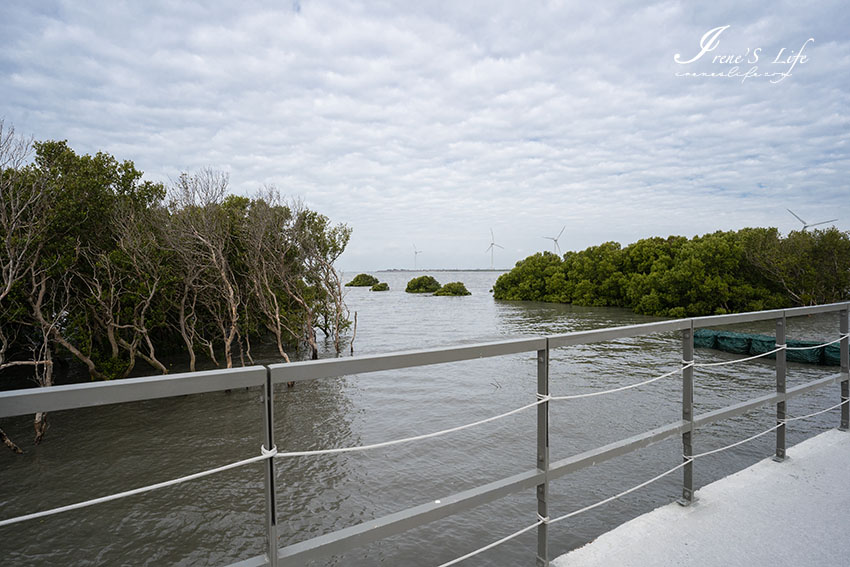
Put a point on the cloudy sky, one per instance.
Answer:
(434, 122)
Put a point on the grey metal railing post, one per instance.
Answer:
(844, 345)
(781, 367)
(543, 455)
(268, 465)
(688, 415)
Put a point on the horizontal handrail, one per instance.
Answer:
(750, 316)
(332, 367)
(612, 333)
(73, 396)
(20, 402)
(373, 530)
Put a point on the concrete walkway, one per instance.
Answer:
(795, 513)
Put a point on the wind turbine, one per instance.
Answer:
(415, 254)
(490, 248)
(555, 240)
(807, 225)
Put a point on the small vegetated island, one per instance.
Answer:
(363, 280)
(453, 288)
(382, 286)
(422, 284)
(724, 272)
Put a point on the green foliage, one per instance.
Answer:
(810, 267)
(107, 273)
(537, 278)
(723, 272)
(382, 286)
(362, 280)
(422, 284)
(453, 288)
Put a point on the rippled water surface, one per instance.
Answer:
(218, 520)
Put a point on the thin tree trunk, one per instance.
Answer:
(151, 358)
(248, 348)
(228, 347)
(57, 336)
(241, 350)
(184, 331)
(354, 333)
(311, 338)
(113, 344)
(9, 443)
(40, 425)
(209, 345)
(45, 380)
(54, 332)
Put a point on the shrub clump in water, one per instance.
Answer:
(383, 286)
(362, 280)
(422, 284)
(453, 288)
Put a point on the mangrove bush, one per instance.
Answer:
(422, 284)
(723, 272)
(453, 288)
(362, 280)
(110, 270)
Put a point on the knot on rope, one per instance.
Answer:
(268, 452)
(543, 519)
(543, 397)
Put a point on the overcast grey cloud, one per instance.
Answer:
(433, 123)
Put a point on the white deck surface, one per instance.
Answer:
(795, 513)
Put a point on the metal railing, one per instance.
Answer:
(21, 402)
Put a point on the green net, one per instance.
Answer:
(705, 338)
(746, 343)
(760, 344)
(737, 343)
(832, 355)
(809, 356)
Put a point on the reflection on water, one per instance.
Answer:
(219, 519)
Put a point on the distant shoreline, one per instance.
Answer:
(447, 270)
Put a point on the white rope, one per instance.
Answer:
(541, 399)
(621, 388)
(545, 520)
(737, 360)
(839, 339)
(265, 455)
(787, 419)
(621, 494)
(494, 544)
(747, 440)
(757, 435)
